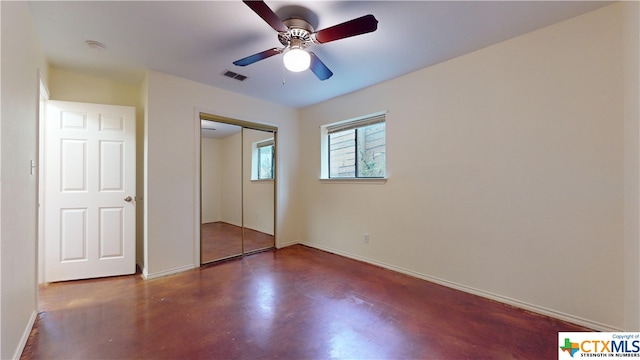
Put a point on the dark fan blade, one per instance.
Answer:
(359, 26)
(257, 57)
(260, 8)
(319, 68)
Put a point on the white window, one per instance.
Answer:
(355, 148)
(263, 154)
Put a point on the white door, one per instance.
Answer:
(89, 191)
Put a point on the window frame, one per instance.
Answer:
(258, 159)
(355, 123)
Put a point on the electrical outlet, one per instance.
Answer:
(366, 238)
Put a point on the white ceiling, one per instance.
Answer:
(217, 130)
(198, 40)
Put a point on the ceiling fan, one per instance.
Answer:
(296, 34)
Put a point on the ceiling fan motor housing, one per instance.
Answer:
(299, 34)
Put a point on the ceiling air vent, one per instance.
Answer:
(233, 75)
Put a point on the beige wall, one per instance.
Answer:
(211, 155)
(231, 206)
(73, 86)
(505, 172)
(21, 61)
(631, 166)
(227, 190)
(172, 192)
(257, 196)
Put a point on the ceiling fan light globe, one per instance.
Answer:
(297, 60)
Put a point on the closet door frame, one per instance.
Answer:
(201, 115)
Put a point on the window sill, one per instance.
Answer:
(353, 180)
(261, 180)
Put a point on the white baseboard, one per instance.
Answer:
(147, 276)
(503, 299)
(142, 269)
(25, 335)
(284, 245)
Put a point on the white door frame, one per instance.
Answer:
(43, 98)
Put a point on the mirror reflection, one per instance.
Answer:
(237, 190)
(221, 191)
(258, 189)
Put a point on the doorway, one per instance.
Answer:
(237, 188)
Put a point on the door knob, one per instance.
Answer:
(128, 199)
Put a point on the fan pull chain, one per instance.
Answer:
(283, 74)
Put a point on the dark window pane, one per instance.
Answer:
(371, 151)
(358, 153)
(342, 154)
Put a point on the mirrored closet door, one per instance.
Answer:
(220, 191)
(257, 188)
(237, 196)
